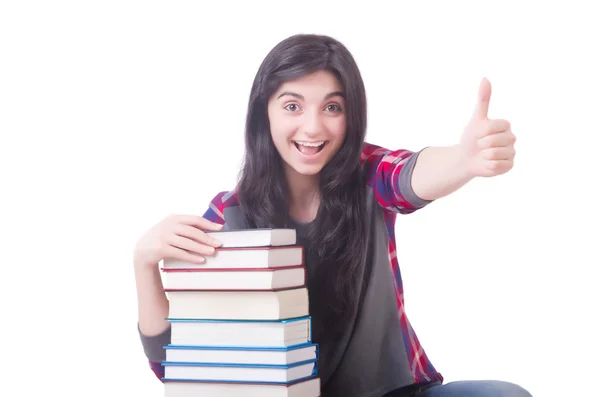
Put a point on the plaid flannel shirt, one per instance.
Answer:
(383, 169)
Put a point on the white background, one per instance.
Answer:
(115, 114)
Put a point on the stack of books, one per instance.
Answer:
(240, 322)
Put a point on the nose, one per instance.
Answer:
(313, 123)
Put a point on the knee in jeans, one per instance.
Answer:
(508, 389)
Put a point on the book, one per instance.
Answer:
(244, 258)
(234, 279)
(240, 372)
(255, 237)
(238, 304)
(286, 355)
(240, 321)
(310, 387)
(265, 333)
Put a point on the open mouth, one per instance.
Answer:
(309, 148)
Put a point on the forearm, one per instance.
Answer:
(438, 172)
(153, 306)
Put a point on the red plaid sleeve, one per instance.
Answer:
(389, 174)
(214, 213)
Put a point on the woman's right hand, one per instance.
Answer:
(176, 237)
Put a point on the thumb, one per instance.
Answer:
(483, 100)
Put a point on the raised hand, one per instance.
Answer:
(487, 146)
(176, 237)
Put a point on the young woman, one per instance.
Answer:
(308, 167)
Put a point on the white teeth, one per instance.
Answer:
(310, 144)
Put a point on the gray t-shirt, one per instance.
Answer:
(368, 358)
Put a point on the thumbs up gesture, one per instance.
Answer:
(488, 145)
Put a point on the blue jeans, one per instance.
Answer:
(473, 388)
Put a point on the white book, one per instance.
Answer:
(234, 279)
(238, 304)
(240, 373)
(242, 355)
(244, 258)
(227, 332)
(304, 388)
(255, 237)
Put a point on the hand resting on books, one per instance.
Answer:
(179, 237)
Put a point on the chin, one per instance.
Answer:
(306, 170)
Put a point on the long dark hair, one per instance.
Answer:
(337, 236)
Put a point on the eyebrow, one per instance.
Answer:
(295, 95)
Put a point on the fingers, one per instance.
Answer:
(193, 241)
(495, 126)
(182, 255)
(199, 222)
(503, 139)
(498, 153)
(186, 240)
(190, 245)
(196, 234)
(498, 167)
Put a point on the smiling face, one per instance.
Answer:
(308, 122)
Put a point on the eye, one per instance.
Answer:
(333, 107)
(292, 107)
